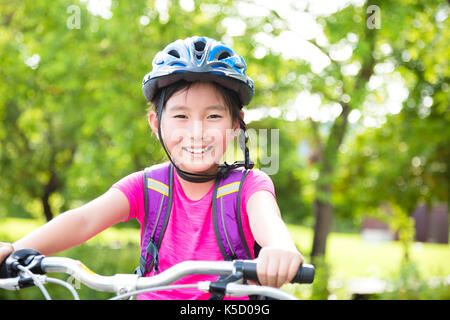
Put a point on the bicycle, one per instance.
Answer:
(27, 267)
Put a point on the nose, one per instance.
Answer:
(196, 131)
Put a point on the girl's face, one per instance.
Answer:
(196, 127)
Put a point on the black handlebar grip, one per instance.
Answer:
(305, 273)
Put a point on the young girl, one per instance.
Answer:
(197, 87)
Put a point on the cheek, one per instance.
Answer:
(221, 134)
(171, 134)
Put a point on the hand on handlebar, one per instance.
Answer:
(5, 250)
(276, 266)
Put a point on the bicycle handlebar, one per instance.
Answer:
(128, 283)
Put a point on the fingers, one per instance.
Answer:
(277, 266)
(294, 266)
(281, 273)
(5, 250)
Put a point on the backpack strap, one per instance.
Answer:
(226, 214)
(158, 186)
(227, 221)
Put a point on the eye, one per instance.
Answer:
(215, 116)
(180, 116)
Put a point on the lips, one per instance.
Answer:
(197, 150)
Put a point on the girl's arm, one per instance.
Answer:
(78, 225)
(279, 259)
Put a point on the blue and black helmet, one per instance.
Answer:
(199, 58)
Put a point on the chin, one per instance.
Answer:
(197, 167)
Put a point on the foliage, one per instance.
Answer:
(71, 107)
(403, 49)
(320, 289)
(409, 284)
(73, 115)
(403, 159)
(409, 169)
(403, 224)
(289, 178)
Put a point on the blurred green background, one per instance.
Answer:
(359, 91)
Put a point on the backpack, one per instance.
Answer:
(226, 215)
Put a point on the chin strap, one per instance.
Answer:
(223, 169)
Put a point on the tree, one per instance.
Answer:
(403, 161)
(72, 110)
(283, 149)
(351, 96)
(373, 49)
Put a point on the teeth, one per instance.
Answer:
(198, 151)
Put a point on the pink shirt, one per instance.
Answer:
(190, 232)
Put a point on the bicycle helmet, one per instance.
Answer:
(199, 58)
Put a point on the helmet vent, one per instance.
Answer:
(224, 55)
(199, 45)
(174, 53)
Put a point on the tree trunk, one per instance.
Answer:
(52, 186)
(322, 204)
(47, 209)
(328, 157)
(324, 218)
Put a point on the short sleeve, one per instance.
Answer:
(256, 180)
(133, 188)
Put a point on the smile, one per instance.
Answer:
(197, 151)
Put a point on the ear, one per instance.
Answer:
(153, 122)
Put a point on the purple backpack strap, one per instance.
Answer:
(226, 214)
(158, 185)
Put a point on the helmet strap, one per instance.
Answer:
(223, 169)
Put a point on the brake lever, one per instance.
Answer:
(218, 288)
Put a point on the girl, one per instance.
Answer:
(197, 87)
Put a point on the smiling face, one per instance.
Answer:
(196, 126)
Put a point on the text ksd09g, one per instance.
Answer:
(246, 309)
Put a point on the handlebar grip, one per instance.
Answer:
(305, 273)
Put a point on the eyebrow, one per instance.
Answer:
(182, 107)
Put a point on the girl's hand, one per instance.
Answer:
(5, 250)
(277, 266)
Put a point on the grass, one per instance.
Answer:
(350, 256)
